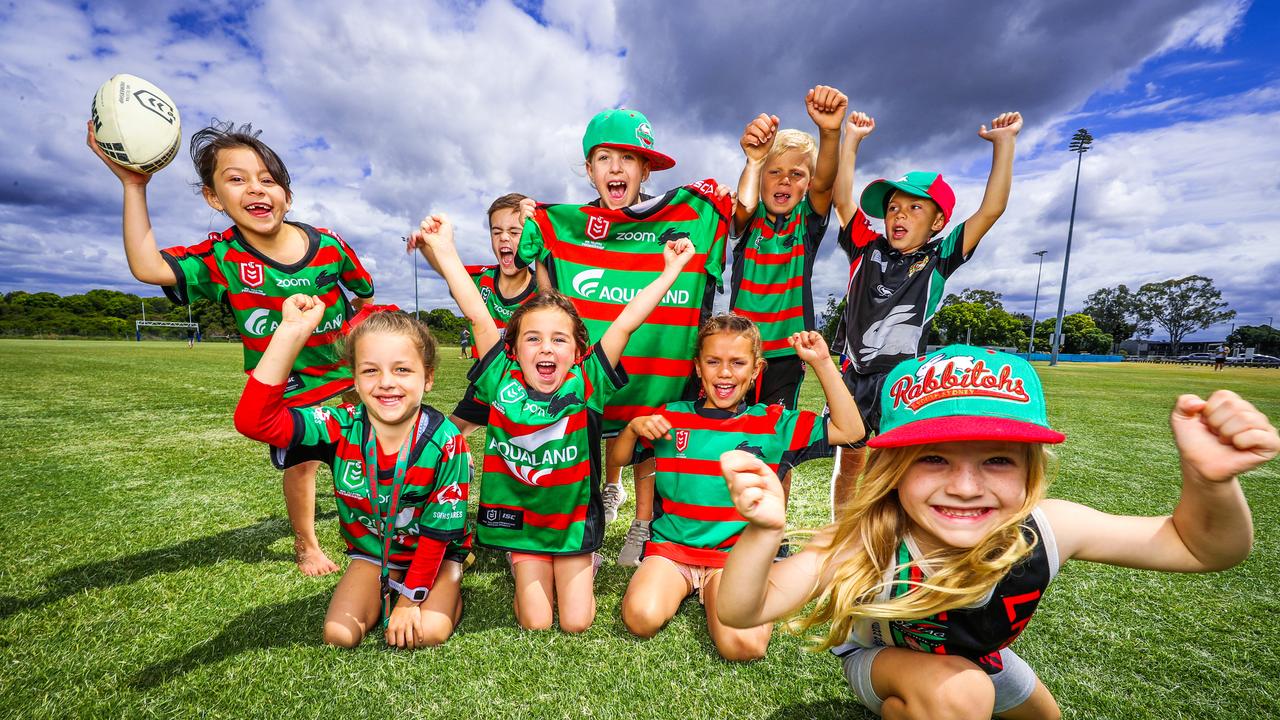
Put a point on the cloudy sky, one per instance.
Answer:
(386, 111)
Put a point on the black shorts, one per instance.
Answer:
(471, 409)
(866, 392)
(780, 382)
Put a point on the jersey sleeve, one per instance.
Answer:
(444, 511)
(951, 252)
(487, 374)
(353, 276)
(533, 247)
(806, 436)
(194, 268)
(856, 235)
(604, 379)
(815, 227)
(722, 211)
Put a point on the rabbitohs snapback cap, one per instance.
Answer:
(625, 130)
(963, 392)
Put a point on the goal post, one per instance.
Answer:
(193, 328)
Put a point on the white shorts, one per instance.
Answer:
(1014, 684)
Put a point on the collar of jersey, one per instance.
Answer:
(716, 413)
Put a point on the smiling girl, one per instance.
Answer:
(401, 473)
(937, 564)
(252, 267)
(546, 387)
(695, 524)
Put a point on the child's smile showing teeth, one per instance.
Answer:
(617, 190)
(727, 365)
(259, 210)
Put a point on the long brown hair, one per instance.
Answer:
(865, 537)
(541, 301)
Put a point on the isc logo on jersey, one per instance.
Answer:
(590, 285)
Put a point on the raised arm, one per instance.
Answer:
(434, 238)
(756, 141)
(826, 106)
(1003, 133)
(261, 414)
(754, 589)
(145, 261)
(676, 255)
(1211, 527)
(856, 129)
(844, 425)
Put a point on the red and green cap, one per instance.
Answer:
(960, 393)
(921, 184)
(625, 130)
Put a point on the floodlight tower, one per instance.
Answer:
(1080, 144)
(1031, 344)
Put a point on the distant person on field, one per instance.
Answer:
(1220, 357)
(253, 266)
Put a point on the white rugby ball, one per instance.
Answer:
(136, 124)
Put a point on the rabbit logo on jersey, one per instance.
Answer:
(531, 458)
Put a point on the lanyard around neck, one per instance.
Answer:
(384, 514)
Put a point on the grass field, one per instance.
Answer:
(145, 571)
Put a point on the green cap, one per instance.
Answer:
(921, 184)
(960, 393)
(626, 130)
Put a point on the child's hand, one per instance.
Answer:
(859, 126)
(303, 312)
(677, 253)
(826, 107)
(403, 624)
(755, 490)
(527, 208)
(1223, 436)
(810, 346)
(651, 427)
(434, 236)
(1003, 129)
(757, 139)
(126, 176)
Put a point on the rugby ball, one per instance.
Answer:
(136, 124)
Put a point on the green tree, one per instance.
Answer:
(830, 318)
(1079, 335)
(1262, 338)
(1115, 311)
(1182, 306)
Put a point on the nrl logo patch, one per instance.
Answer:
(597, 227)
(512, 392)
(682, 440)
(251, 274)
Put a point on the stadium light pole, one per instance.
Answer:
(416, 309)
(1080, 144)
(1031, 344)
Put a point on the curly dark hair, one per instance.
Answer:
(543, 300)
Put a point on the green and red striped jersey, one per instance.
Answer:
(773, 274)
(433, 501)
(227, 269)
(500, 308)
(540, 482)
(600, 259)
(695, 521)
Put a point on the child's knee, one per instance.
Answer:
(577, 618)
(739, 647)
(642, 617)
(342, 635)
(433, 630)
(533, 618)
(963, 691)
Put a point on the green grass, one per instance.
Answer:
(145, 571)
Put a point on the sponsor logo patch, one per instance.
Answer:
(597, 227)
(251, 274)
(682, 440)
(512, 392)
(502, 518)
(960, 376)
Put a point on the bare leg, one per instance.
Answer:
(442, 608)
(653, 596)
(300, 502)
(732, 643)
(355, 607)
(914, 684)
(643, 473)
(844, 477)
(535, 594)
(1040, 706)
(575, 580)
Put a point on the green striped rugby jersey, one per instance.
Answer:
(540, 480)
(600, 259)
(433, 502)
(773, 274)
(500, 308)
(227, 269)
(695, 521)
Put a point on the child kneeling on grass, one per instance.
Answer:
(695, 524)
(939, 561)
(546, 388)
(401, 473)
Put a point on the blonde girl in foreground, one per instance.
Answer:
(938, 563)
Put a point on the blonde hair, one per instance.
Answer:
(392, 322)
(865, 537)
(788, 140)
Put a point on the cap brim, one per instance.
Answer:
(966, 427)
(872, 199)
(657, 161)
